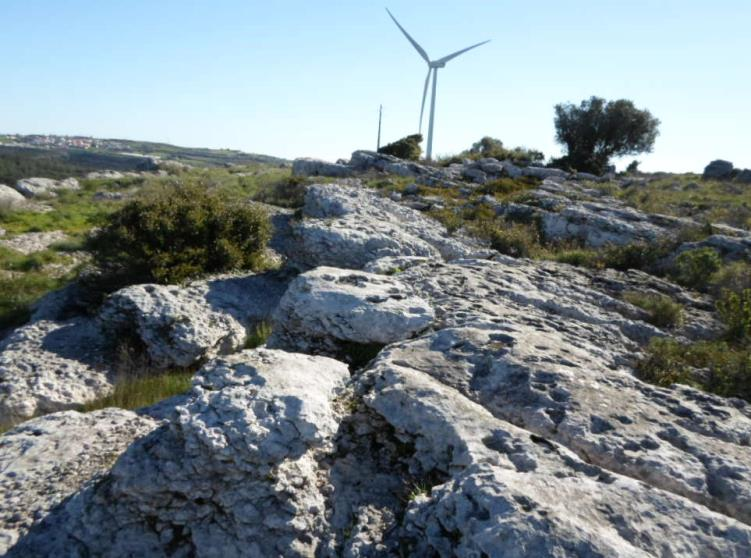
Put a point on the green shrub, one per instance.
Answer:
(735, 311)
(694, 268)
(579, 257)
(488, 147)
(18, 294)
(663, 311)
(637, 255)
(288, 192)
(405, 148)
(505, 187)
(713, 366)
(514, 239)
(174, 232)
(735, 277)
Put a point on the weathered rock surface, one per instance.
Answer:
(51, 366)
(235, 473)
(48, 459)
(181, 325)
(503, 417)
(28, 243)
(10, 198)
(348, 226)
(316, 167)
(35, 187)
(328, 306)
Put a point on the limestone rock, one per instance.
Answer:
(35, 187)
(327, 306)
(182, 325)
(10, 198)
(28, 243)
(347, 226)
(51, 366)
(233, 474)
(48, 459)
(505, 492)
(316, 167)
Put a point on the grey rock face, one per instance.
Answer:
(348, 226)
(48, 459)
(731, 248)
(235, 473)
(718, 169)
(316, 167)
(510, 493)
(28, 243)
(51, 366)
(182, 325)
(10, 198)
(34, 187)
(328, 306)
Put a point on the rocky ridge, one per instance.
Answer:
(500, 417)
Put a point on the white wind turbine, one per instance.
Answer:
(432, 67)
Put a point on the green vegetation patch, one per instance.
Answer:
(142, 391)
(177, 231)
(662, 310)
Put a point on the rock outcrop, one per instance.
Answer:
(36, 187)
(235, 473)
(327, 307)
(48, 459)
(179, 326)
(501, 415)
(49, 366)
(10, 198)
(349, 226)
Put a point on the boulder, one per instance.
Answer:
(543, 173)
(179, 326)
(327, 307)
(234, 473)
(316, 167)
(346, 225)
(494, 489)
(10, 198)
(51, 366)
(46, 460)
(35, 187)
(718, 169)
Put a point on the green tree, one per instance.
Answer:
(596, 130)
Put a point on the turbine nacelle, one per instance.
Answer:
(433, 67)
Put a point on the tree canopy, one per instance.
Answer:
(596, 130)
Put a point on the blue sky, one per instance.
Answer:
(305, 78)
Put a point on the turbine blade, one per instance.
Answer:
(424, 96)
(418, 48)
(457, 53)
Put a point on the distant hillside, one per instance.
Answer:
(63, 156)
(197, 156)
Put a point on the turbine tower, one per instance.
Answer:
(433, 66)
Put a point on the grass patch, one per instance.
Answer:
(687, 195)
(662, 310)
(134, 393)
(259, 335)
